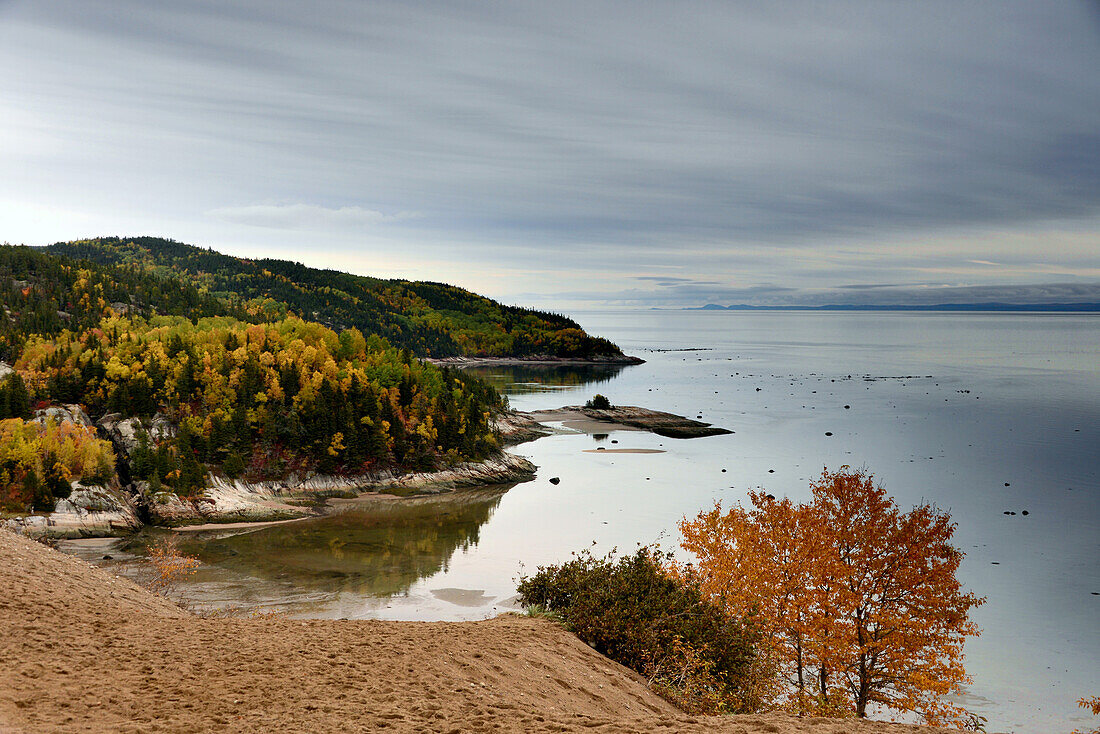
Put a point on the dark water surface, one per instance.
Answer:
(981, 414)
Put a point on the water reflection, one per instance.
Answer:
(376, 547)
(368, 550)
(527, 379)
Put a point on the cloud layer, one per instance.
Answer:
(803, 146)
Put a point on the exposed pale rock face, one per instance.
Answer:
(161, 428)
(516, 428)
(499, 469)
(90, 511)
(123, 432)
(61, 413)
(5, 370)
(226, 500)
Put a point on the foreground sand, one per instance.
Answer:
(84, 651)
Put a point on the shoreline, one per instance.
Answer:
(535, 361)
(92, 651)
(226, 504)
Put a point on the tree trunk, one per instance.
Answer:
(864, 688)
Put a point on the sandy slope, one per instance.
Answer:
(81, 650)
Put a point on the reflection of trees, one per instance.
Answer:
(525, 379)
(376, 549)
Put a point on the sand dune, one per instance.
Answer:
(84, 651)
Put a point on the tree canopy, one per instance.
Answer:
(430, 319)
(264, 399)
(259, 368)
(860, 601)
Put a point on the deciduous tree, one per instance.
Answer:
(861, 600)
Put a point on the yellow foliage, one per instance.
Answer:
(169, 565)
(79, 452)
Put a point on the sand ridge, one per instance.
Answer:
(85, 651)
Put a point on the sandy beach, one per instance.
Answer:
(85, 651)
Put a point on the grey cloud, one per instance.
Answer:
(1043, 293)
(885, 294)
(595, 128)
(675, 282)
(868, 286)
(306, 216)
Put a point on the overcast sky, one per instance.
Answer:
(575, 155)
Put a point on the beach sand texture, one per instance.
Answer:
(85, 651)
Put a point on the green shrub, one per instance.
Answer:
(634, 612)
(41, 499)
(598, 402)
(234, 464)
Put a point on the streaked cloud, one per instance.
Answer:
(306, 216)
(577, 147)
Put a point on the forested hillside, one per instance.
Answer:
(263, 399)
(207, 380)
(430, 319)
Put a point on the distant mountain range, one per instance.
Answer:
(1034, 307)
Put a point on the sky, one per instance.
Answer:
(575, 155)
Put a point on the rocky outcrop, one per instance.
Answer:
(123, 432)
(515, 428)
(663, 424)
(503, 468)
(654, 421)
(225, 500)
(61, 413)
(218, 504)
(90, 511)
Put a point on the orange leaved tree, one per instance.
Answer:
(1093, 704)
(860, 600)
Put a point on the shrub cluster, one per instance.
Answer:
(598, 402)
(634, 612)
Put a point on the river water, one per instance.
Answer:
(981, 414)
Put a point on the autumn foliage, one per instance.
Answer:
(860, 602)
(1093, 704)
(38, 460)
(631, 609)
(264, 399)
(168, 565)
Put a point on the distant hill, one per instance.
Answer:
(429, 319)
(194, 363)
(1035, 307)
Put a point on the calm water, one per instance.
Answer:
(978, 413)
